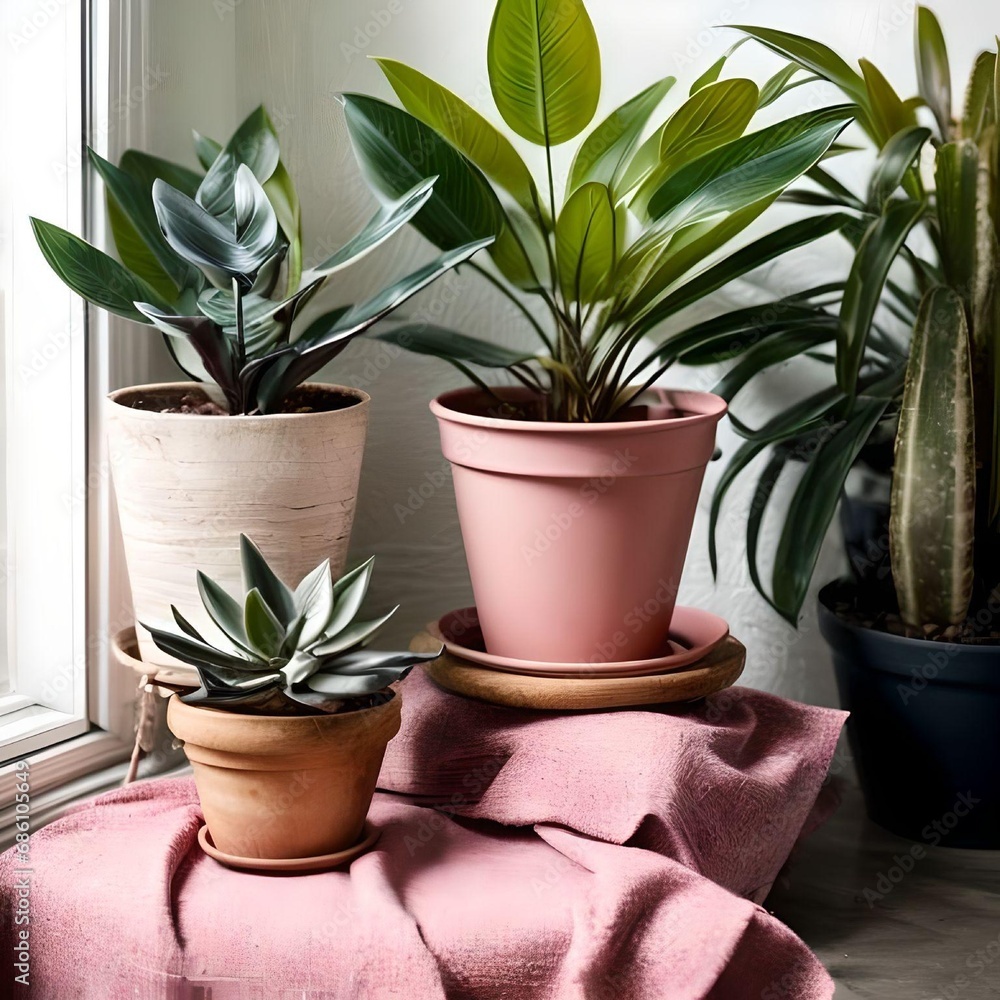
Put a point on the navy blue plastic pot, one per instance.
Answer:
(924, 728)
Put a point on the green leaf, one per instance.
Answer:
(137, 205)
(224, 610)
(545, 68)
(747, 169)
(716, 114)
(813, 505)
(263, 629)
(778, 84)
(773, 351)
(438, 342)
(397, 151)
(603, 152)
(258, 575)
(206, 241)
(766, 483)
(134, 253)
(895, 160)
(465, 128)
(194, 652)
(933, 73)
(814, 56)
(284, 199)
(185, 626)
(745, 454)
(585, 244)
(338, 685)
(801, 418)
(742, 261)
(254, 145)
(361, 660)
(842, 195)
(354, 635)
(324, 343)
(979, 111)
(731, 334)
(956, 177)
(94, 275)
(214, 349)
(349, 594)
(647, 269)
(290, 643)
(387, 221)
(207, 150)
(314, 602)
(712, 73)
(878, 250)
(889, 114)
(145, 169)
(932, 525)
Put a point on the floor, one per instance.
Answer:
(930, 932)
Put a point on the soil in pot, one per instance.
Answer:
(924, 725)
(284, 787)
(179, 398)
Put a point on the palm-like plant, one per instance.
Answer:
(214, 261)
(284, 651)
(642, 228)
(935, 377)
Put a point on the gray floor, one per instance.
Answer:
(934, 935)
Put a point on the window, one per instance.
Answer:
(53, 494)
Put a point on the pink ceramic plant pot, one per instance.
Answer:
(576, 534)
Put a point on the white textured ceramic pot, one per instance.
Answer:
(188, 484)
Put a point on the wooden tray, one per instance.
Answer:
(720, 669)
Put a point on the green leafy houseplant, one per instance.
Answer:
(284, 651)
(644, 228)
(214, 260)
(916, 345)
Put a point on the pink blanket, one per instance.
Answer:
(516, 886)
(124, 904)
(724, 787)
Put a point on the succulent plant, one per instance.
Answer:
(284, 651)
(214, 261)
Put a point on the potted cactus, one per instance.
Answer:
(914, 634)
(570, 481)
(213, 260)
(287, 730)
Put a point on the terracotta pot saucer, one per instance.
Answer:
(694, 633)
(289, 866)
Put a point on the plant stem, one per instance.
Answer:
(241, 348)
(497, 283)
(241, 344)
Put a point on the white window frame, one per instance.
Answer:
(70, 712)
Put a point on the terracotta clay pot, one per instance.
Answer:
(284, 787)
(576, 534)
(187, 485)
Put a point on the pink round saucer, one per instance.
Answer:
(693, 634)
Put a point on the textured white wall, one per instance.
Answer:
(222, 57)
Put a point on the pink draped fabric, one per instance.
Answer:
(517, 888)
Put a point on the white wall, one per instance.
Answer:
(219, 58)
